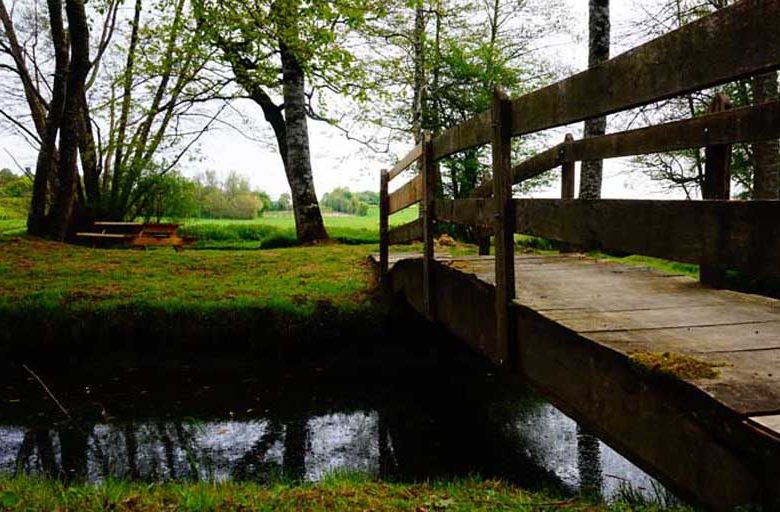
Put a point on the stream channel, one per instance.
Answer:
(397, 410)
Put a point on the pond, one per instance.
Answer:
(392, 410)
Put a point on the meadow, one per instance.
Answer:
(277, 229)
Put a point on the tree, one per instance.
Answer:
(598, 52)
(754, 166)
(284, 203)
(273, 48)
(442, 58)
(341, 199)
(105, 119)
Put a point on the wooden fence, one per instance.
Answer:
(715, 233)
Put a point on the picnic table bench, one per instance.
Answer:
(137, 235)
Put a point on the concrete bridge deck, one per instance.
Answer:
(577, 322)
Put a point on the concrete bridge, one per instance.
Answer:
(572, 326)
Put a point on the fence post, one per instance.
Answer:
(567, 183)
(504, 227)
(567, 171)
(384, 239)
(716, 185)
(427, 209)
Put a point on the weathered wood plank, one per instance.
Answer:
(405, 162)
(747, 124)
(407, 195)
(600, 389)
(734, 42)
(771, 423)
(737, 41)
(741, 235)
(468, 134)
(534, 166)
(406, 233)
(469, 212)
(503, 222)
(712, 338)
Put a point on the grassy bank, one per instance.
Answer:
(338, 493)
(52, 294)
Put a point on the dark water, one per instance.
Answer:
(405, 411)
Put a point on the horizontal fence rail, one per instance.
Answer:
(748, 124)
(405, 162)
(406, 233)
(732, 43)
(407, 195)
(741, 235)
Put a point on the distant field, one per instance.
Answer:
(284, 220)
(277, 229)
(272, 230)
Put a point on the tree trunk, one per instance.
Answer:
(418, 101)
(45, 167)
(766, 155)
(598, 52)
(70, 134)
(308, 219)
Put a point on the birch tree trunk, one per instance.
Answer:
(419, 100)
(766, 155)
(308, 219)
(598, 52)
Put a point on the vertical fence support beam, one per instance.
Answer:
(567, 171)
(717, 185)
(384, 239)
(567, 182)
(427, 209)
(504, 226)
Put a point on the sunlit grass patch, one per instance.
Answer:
(676, 365)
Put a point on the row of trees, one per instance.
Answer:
(207, 197)
(114, 93)
(342, 200)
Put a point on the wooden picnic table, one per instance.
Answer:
(137, 235)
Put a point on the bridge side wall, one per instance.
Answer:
(599, 388)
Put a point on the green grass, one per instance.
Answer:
(12, 227)
(13, 208)
(337, 493)
(49, 275)
(277, 229)
(672, 267)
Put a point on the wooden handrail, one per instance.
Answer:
(405, 162)
(735, 42)
(406, 196)
(406, 233)
(748, 124)
(735, 234)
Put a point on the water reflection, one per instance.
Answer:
(405, 416)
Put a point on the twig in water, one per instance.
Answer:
(51, 395)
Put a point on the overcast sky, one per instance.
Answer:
(339, 162)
